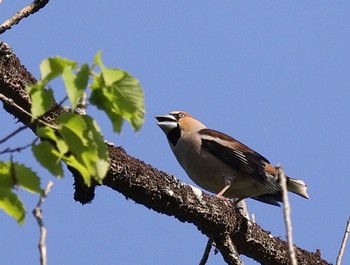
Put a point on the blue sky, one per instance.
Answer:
(273, 74)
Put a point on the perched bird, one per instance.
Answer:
(222, 165)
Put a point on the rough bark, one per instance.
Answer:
(157, 190)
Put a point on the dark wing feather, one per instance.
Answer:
(238, 155)
(272, 199)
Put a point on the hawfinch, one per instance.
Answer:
(222, 165)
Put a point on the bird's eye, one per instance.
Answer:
(181, 115)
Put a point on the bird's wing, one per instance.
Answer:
(272, 199)
(239, 156)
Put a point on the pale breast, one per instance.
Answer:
(202, 167)
(210, 173)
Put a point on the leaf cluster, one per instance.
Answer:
(73, 139)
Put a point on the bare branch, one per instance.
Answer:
(23, 13)
(19, 149)
(37, 212)
(286, 211)
(10, 102)
(242, 208)
(12, 134)
(206, 253)
(343, 244)
(228, 250)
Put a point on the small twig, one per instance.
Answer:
(10, 102)
(23, 13)
(228, 250)
(13, 134)
(206, 253)
(18, 149)
(81, 107)
(227, 244)
(343, 243)
(286, 211)
(37, 212)
(62, 101)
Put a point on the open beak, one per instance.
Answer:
(166, 122)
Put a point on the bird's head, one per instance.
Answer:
(178, 123)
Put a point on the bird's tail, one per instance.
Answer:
(297, 186)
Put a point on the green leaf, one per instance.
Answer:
(49, 157)
(27, 179)
(72, 128)
(98, 58)
(118, 94)
(50, 151)
(76, 83)
(97, 157)
(42, 99)
(12, 205)
(88, 152)
(9, 201)
(5, 175)
(50, 68)
(78, 142)
(51, 136)
(19, 176)
(130, 100)
(110, 75)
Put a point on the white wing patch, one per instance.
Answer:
(241, 155)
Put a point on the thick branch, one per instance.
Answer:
(163, 193)
(211, 215)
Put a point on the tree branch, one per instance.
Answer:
(37, 212)
(162, 192)
(206, 253)
(343, 244)
(286, 214)
(12, 134)
(23, 13)
(9, 150)
(228, 250)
